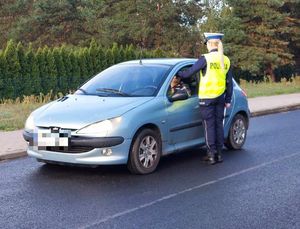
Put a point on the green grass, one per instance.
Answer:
(269, 88)
(13, 113)
(13, 116)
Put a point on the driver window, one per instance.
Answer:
(178, 86)
(191, 84)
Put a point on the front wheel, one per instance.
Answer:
(237, 133)
(145, 152)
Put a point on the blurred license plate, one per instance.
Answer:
(53, 138)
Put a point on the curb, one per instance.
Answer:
(16, 155)
(275, 110)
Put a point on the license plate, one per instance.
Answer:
(53, 138)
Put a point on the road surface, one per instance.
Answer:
(257, 187)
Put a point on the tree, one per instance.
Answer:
(41, 62)
(3, 73)
(148, 24)
(49, 79)
(94, 58)
(121, 54)
(13, 70)
(100, 59)
(115, 53)
(11, 13)
(292, 8)
(129, 52)
(84, 74)
(255, 37)
(75, 72)
(60, 70)
(109, 57)
(54, 22)
(88, 63)
(32, 80)
(20, 81)
(64, 53)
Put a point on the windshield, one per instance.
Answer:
(126, 80)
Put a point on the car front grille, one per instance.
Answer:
(77, 149)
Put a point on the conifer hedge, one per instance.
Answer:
(29, 71)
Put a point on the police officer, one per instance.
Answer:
(215, 92)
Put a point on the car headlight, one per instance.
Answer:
(29, 124)
(102, 128)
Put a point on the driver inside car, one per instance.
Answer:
(178, 86)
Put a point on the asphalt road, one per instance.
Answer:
(257, 187)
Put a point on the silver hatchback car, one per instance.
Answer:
(127, 115)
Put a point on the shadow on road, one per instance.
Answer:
(167, 162)
(188, 161)
(110, 184)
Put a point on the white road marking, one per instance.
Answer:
(128, 211)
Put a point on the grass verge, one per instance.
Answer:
(13, 113)
(13, 116)
(269, 88)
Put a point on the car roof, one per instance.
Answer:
(165, 61)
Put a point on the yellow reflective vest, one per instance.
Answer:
(213, 83)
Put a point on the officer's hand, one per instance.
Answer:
(227, 105)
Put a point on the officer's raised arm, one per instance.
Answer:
(196, 67)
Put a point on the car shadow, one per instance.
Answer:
(182, 169)
(184, 160)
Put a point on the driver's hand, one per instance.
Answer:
(175, 81)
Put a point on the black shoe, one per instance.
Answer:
(211, 160)
(218, 158)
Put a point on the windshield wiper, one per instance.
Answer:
(113, 91)
(84, 91)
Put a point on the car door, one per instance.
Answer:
(184, 121)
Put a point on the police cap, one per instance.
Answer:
(209, 36)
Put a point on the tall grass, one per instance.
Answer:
(13, 113)
(32, 99)
(268, 88)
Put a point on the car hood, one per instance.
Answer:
(77, 111)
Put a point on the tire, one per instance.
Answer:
(237, 133)
(145, 152)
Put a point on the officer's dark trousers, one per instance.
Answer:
(212, 114)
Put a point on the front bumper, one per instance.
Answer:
(83, 150)
(79, 141)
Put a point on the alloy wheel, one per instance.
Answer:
(148, 151)
(239, 131)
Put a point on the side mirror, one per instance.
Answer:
(181, 95)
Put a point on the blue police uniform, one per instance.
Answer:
(212, 109)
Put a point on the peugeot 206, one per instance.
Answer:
(127, 114)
